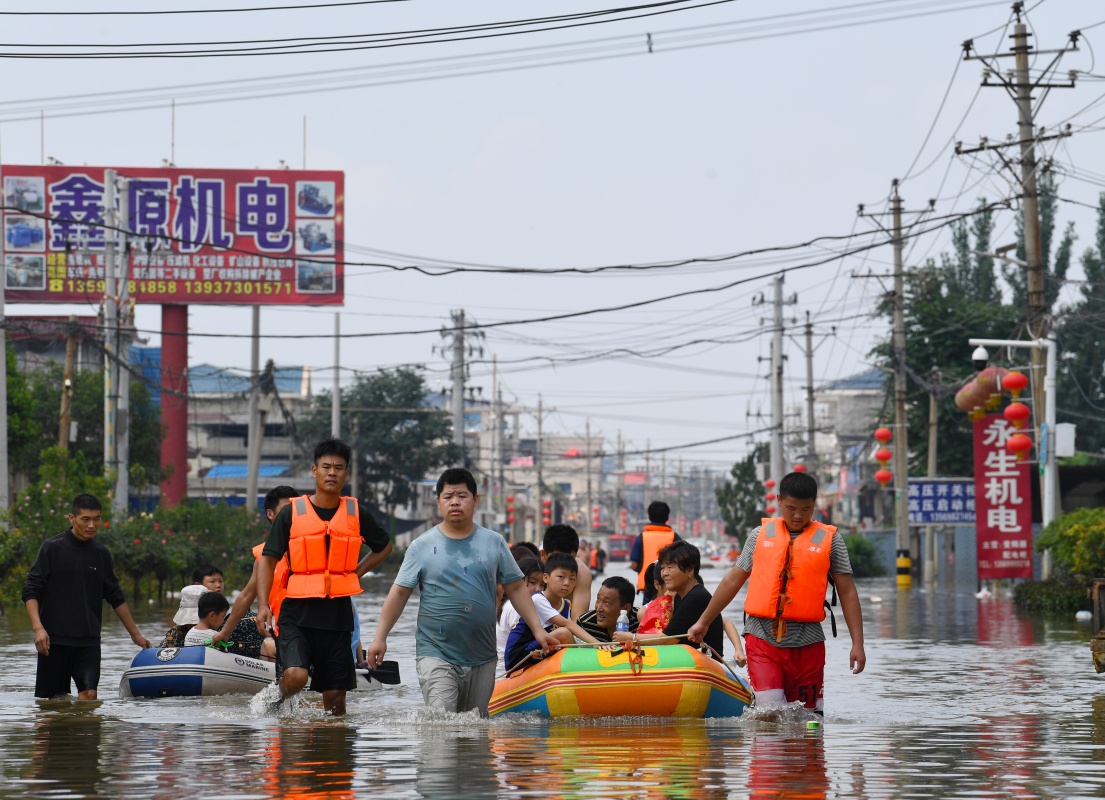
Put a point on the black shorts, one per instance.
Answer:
(77, 663)
(328, 654)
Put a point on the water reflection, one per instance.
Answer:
(310, 762)
(788, 764)
(455, 764)
(65, 750)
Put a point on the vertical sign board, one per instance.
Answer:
(1003, 503)
(215, 236)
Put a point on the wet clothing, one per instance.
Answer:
(797, 672)
(798, 634)
(588, 623)
(67, 664)
(324, 652)
(455, 688)
(71, 579)
(324, 613)
(687, 610)
(457, 581)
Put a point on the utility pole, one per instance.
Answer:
(1020, 84)
(901, 434)
(458, 381)
(335, 400)
(253, 456)
(538, 461)
(811, 447)
(122, 363)
(590, 499)
(930, 530)
(502, 454)
(110, 322)
(496, 436)
(620, 502)
(65, 419)
(777, 468)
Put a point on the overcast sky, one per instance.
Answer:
(628, 157)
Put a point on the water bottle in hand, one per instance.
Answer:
(622, 625)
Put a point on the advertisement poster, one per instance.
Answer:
(941, 501)
(235, 237)
(1003, 503)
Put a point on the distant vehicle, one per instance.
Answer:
(619, 547)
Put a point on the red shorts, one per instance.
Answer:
(799, 672)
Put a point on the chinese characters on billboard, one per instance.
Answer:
(936, 501)
(1003, 503)
(196, 235)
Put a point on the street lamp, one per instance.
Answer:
(1045, 444)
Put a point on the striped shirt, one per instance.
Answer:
(799, 634)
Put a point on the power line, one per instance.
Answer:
(149, 13)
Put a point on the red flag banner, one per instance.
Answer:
(1003, 503)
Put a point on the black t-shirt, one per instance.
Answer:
(331, 614)
(686, 613)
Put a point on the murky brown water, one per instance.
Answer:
(961, 698)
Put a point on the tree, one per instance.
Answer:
(1055, 268)
(25, 433)
(741, 500)
(397, 439)
(1081, 335)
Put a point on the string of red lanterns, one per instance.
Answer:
(883, 455)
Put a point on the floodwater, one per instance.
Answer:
(961, 698)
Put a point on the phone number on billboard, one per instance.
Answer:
(242, 288)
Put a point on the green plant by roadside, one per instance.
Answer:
(864, 556)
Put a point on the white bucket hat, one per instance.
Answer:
(188, 613)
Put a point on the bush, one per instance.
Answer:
(1077, 543)
(1052, 596)
(864, 556)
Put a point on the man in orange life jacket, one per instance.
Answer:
(787, 562)
(655, 537)
(322, 536)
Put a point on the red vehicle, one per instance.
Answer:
(619, 547)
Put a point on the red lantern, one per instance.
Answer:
(1020, 444)
(799, 468)
(883, 456)
(546, 502)
(769, 483)
(883, 435)
(770, 510)
(510, 518)
(884, 476)
(510, 498)
(1017, 414)
(770, 495)
(1015, 383)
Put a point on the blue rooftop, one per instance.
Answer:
(241, 471)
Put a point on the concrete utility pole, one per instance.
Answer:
(901, 434)
(811, 445)
(122, 364)
(253, 454)
(110, 323)
(777, 464)
(538, 461)
(620, 501)
(66, 416)
(458, 380)
(496, 438)
(930, 530)
(335, 400)
(590, 499)
(1020, 84)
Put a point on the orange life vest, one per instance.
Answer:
(323, 556)
(279, 589)
(654, 538)
(789, 576)
(594, 558)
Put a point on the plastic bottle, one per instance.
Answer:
(622, 624)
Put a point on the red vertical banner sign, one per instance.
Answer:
(1003, 503)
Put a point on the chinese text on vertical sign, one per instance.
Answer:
(1003, 502)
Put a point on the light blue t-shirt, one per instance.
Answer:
(456, 578)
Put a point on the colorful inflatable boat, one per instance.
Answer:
(204, 671)
(666, 681)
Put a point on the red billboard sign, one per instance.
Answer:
(240, 237)
(1003, 503)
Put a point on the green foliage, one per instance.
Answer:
(864, 556)
(24, 429)
(1054, 596)
(1055, 268)
(1077, 543)
(740, 500)
(394, 448)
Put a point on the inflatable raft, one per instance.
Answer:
(665, 681)
(204, 671)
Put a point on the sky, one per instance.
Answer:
(745, 128)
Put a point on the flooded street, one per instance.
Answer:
(961, 698)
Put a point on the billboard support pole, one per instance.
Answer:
(110, 323)
(174, 403)
(254, 455)
(335, 400)
(122, 359)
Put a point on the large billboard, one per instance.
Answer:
(232, 236)
(1003, 503)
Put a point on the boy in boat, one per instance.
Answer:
(534, 571)
(614, 596)
(553, 609)
(69, 580)
(564, 539)
(787, 562)
(680, 563)
(210, 576)
(211, 610)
